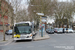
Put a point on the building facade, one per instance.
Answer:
(5, 10)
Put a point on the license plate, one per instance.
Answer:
(22, 37)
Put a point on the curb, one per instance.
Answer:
(6, 42)
(3, 41)
(9, 42)
(38, 37)
(41, 39)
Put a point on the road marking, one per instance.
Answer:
(64, 47)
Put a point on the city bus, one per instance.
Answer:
(23, 31)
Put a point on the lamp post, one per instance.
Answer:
(35, 12)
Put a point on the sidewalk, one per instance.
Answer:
(1, 36)
(1, 33)
(8, 38)
(74, 31)
(38, 36)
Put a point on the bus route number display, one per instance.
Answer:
(24, 24)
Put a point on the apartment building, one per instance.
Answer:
(8, 12)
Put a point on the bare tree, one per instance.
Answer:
(41, 6)
(16, 6)
(63, 11)
(3, 12)
(22, 16)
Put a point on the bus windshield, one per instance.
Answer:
(22, 30)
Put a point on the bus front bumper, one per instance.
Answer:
(30, 38)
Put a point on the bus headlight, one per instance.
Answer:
(30, 35)
(14, 35)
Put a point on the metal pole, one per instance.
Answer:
(13, 26)
(41, 31)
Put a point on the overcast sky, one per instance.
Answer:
(58, 0)
(24, 2)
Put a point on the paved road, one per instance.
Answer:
(56, 42)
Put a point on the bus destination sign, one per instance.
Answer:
(24, 24)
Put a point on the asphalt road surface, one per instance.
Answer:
(56, 42)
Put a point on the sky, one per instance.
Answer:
(24, 2)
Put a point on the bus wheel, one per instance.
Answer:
(31, 40)
(15, 40)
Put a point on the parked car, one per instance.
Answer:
(50, 31)
(9, 32)
(65, 30)
(47, 29)
(55, 30)
(60, 30)
(70, 30)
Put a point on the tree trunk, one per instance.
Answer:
(3, 29)
(13, 26)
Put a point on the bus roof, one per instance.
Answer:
(23, 22)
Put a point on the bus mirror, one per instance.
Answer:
(34, 26)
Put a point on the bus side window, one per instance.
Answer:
(16, 30)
